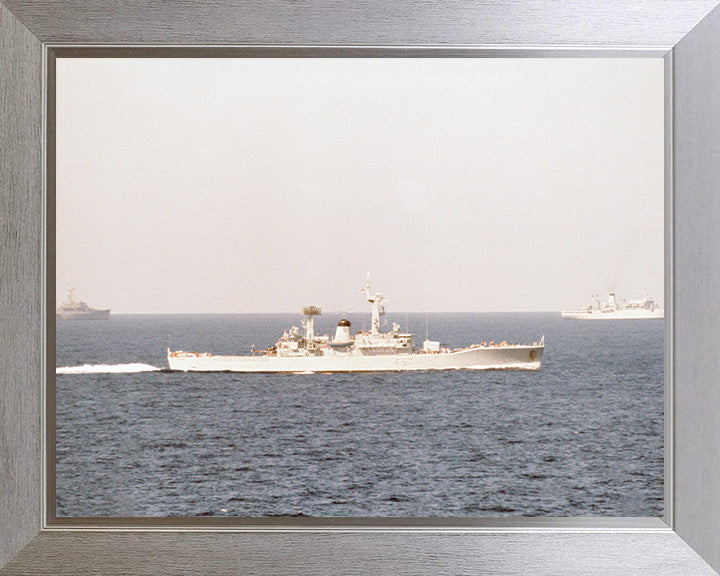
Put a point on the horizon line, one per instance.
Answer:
(336, 312)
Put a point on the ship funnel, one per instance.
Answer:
(342, 332)
(611, 300)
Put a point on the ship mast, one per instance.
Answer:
(378, 309)
(310, 312)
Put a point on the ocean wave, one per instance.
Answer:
(106, 369)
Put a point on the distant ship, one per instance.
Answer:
(72, 310)
(365, 351)
(642, 308)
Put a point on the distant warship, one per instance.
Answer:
(641, 308)
(72, 310)
(365, 351)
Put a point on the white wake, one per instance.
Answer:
(106, 369)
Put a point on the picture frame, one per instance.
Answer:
(685, 34)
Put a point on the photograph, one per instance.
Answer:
(359, 287)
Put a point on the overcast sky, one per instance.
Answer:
(263, 185)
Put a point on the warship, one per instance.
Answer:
(73, 310)
(302, 351)
(641, 308)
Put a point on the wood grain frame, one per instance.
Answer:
(686, 33)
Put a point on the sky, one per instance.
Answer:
(264, 185)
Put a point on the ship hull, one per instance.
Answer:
(90, 315)
(517, 357)
(613, 314)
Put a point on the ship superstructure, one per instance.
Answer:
(302, 351)
(75, 310)
(640, 308)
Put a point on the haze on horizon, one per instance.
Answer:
(264, 185)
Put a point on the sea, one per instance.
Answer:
(582, 436)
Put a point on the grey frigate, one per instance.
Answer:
(638, 309)
(74, 310)
(299, 351)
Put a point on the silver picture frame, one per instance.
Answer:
(686, 34)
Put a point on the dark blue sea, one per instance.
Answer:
(581, 436)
